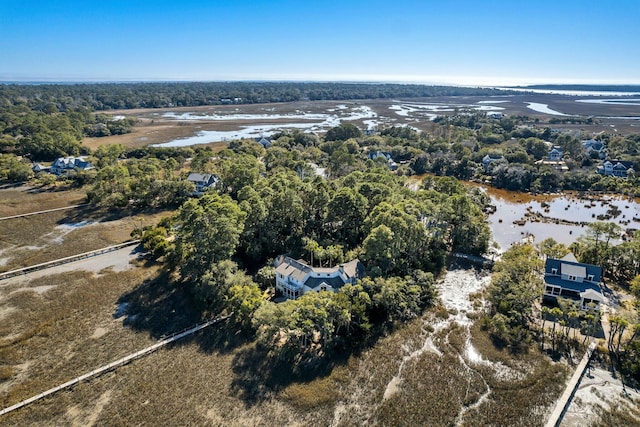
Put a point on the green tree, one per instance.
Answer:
(551, 248)
(515, 287)
(209, 230)
(377, 246)
(345, 216)
(243, 299)
(343, 132)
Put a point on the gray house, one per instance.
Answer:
(202, 181)
(64, 165)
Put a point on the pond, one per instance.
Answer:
(564, 217)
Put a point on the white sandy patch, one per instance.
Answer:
(5, 311)
(37, 289)
(99, 332)
(60, 231)
(455, 289)
(492, 102)
(598, 389)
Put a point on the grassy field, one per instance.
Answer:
(60, 326)
(45, 237)
(219, 378)
(23, 199)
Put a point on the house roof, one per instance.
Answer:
(572, 286)
(298, 270)
(201, 177)
(592, 295)
(569, 257)
(264, 142)
(378, 153)
(314, 282)
(490, 157)
(71, 163)
(566, 266)
(573, 270)
(292, 268)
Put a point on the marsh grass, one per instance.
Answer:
(51, 331)
(25, 199)
(220, 377)
(35, 239)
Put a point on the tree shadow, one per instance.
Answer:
(94, 214)
(161, 307)
(258, 373)
(157, 306)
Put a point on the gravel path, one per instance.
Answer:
(118, 260)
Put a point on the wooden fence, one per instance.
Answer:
(42, 212)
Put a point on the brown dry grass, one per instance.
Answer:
(41, 238)
(51, 331)
(45, 237)
(209, 380)
(24, 199)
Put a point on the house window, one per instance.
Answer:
(552, 290)
(590, 277)
(554, 271)
(572, 278)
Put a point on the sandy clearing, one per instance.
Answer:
(598, 388)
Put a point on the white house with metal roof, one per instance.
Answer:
(295, 278)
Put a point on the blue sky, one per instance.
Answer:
(432, 41)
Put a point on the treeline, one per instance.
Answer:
(108, 96)
(587, 88)
(222, 245)
(47, 135)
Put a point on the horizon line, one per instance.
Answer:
(462, 81)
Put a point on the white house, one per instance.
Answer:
(202, 181)
(64, 165)
(555, 154)
(295, 278)
(391, 164)
(617, 168)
